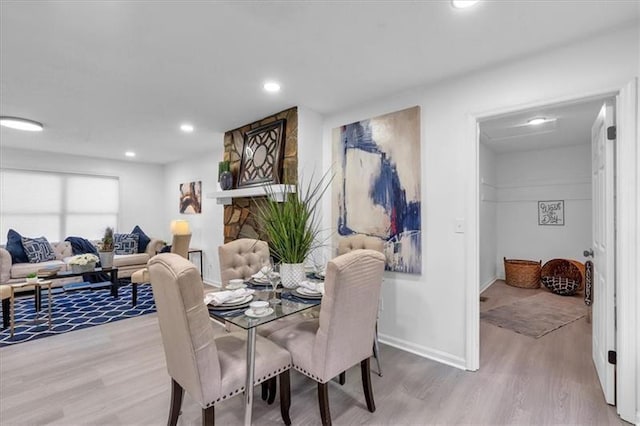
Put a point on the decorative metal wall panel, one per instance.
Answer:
(262, 154)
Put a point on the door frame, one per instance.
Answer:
(627, 209)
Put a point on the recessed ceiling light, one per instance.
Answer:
(536, 121)
(271, 87)
(130, 154)
(21, 124)
(463, 4)
(186, 127)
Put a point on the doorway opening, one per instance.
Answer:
(540, 198)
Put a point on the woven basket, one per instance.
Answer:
(565, 268)
(522, 273)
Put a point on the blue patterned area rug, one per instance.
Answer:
(76, 310)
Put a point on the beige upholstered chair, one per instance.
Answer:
(357, 242)
(242, 258)
(323, 348)
(179, 245)
(211, 369)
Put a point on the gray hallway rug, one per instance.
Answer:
(537, 315)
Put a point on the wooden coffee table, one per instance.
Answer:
(38, 288)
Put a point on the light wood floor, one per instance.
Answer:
(115, 374)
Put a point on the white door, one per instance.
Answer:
(603, 250)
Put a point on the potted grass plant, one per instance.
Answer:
(292, 227)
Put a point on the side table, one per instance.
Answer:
(37, 287)
(199, 251)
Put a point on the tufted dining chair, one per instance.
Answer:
(357, 242)
(324, 347)
(242, 258)
(211, 369)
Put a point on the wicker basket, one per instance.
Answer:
(565, 268)
(522, 273)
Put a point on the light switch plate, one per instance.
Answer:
(459, 226)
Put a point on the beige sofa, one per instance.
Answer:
(126, 263)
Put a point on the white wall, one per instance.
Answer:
(488, 216)
(426, 314)
(141, 185)
(523, 179)
(207, 227)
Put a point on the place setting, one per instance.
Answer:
(229, 301)
(262, 277)
(306, 292)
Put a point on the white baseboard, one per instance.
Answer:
(423, 351)
(486, 285)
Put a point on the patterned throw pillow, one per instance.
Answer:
(143, 239)
(38, 249)
(560, 285)
(125, 243)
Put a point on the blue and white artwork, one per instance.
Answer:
(376, 190)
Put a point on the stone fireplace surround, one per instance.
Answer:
(239, 216)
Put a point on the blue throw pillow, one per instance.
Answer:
(38, 249)
(14, 247)
(143, 239)
(125, 243)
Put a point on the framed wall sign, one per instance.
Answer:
(262, 153)
(551, 213)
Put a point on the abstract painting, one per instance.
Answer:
(376, 190)
(191, 197)
(551, 213)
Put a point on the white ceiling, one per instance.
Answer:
(106, 77)
(567, 125)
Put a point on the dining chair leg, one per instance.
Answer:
(285, 396)
(366, 384)
(208, 416)
(342, 378)
(323, 400)
(265, 391)
(376, 352)
(273, 388)
(176, 403)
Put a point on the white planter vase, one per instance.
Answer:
(106, 259)
(291, 274)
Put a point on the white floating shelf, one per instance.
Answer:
(275, 192)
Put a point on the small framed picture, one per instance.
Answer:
(551, 213)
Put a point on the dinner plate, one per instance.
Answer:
(250, 313)
(229, 308)
(259, 283)
(298, 293)
(235, 302)
(308, 292)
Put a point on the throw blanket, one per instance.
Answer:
(81, 245)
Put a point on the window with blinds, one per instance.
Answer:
(57, 205)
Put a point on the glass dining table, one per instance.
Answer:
(290, 304)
